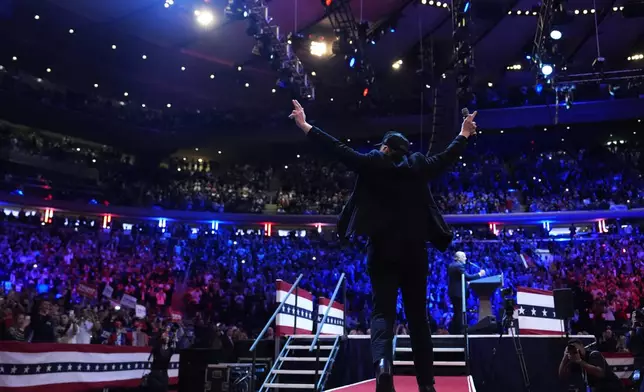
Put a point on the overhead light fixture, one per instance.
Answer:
(204, 17)
(490, 84)
(71, 31)
(183, 68)
(142, 105)
(546, 69)
(48, 70)
(95, 85)
(239, 68)
(113, 47)
(125, 94)
(37, 17)
(169, 105)
(555, 34)
(397, 64)
(14, 58)
(144, 57)
(319, 48)
(273, 91)
(247, 85)
(212, 76)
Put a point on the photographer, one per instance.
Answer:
(635, 340)
(583, 369)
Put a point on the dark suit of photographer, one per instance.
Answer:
(581, 368)
(635, 341)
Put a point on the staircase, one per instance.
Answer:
(449, 355)
(296, 366)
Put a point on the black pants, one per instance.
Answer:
(394, 264)
(456, 326)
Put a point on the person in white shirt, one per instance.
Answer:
(84, 335)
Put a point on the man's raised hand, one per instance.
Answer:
(299, 117)
(469, 126)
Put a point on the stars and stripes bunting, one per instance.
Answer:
(535, 312)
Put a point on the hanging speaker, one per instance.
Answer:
(563, 303)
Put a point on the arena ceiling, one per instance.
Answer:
(171, 41)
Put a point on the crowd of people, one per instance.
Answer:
(477, 184)
(79, 284)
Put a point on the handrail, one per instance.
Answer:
(465, 325)
(281, 305)
(326, 314)
(328, 363)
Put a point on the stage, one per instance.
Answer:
(543, 353)
(408, 384)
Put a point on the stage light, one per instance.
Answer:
(319, 48)
(204, 17)
(396, 65)
(169, 105)
(95, 85)
(113, 47)
(555, 34)
(37, 17)
(71, 31)
(467, 7)
(142, 105)
(14, 58)
(39, 80)
(212, 76)
(125, 94)
(444, 5)
(352, 62)
(428, 86)
(144, 57)
(273, 91)
(183, 68)
(490, 84)
(438, 4)
(239, 68)
(576, 12)
(246, 85)
(365, 92)
(331, 99)
(48, 70)
(546, 69)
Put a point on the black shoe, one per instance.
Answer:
(384, 376)
(426, 388)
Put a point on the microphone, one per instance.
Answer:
(465, 112)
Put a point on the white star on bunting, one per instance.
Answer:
(545, 313)
(534, 311)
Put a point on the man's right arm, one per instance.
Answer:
(345, 154)
(468, 277)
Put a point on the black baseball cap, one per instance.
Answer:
(396, 141)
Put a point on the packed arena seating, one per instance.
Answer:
(224, 281)
(602, 178)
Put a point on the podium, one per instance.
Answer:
(484, 288)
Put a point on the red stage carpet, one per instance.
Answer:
(408, 384)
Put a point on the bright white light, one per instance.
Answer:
(142, 105)
(219, 152)
(273, 91)
(490, 84)
(183, 68)
(444, 5)
(48, 70)
(396, 65)
(428, 86)
(93, 160)
(169, 105)
(555, 34)
(239, 68)
(113, 47)
(14, 58)
(38, 80)
(247, 85)
(319, 48)
(37, 17)
(117, 307)
(144, 57)
(212, 76)
(95, 85)
(314, 73)
(125, 94)
(71, 31)
(546, 69)
(204, 17)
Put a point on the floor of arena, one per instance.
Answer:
(408, 384)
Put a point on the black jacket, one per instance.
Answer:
(454, 272)
(392, 198)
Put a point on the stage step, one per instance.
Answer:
(436, 350)
(290, 386)
(302, 359)
(296, 347)
(296, 372)
(310, 337)
(436, 363)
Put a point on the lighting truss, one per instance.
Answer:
(345, 26)
(544, 26)
(282, 51)
(463, 51)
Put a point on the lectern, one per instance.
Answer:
(484, 288)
